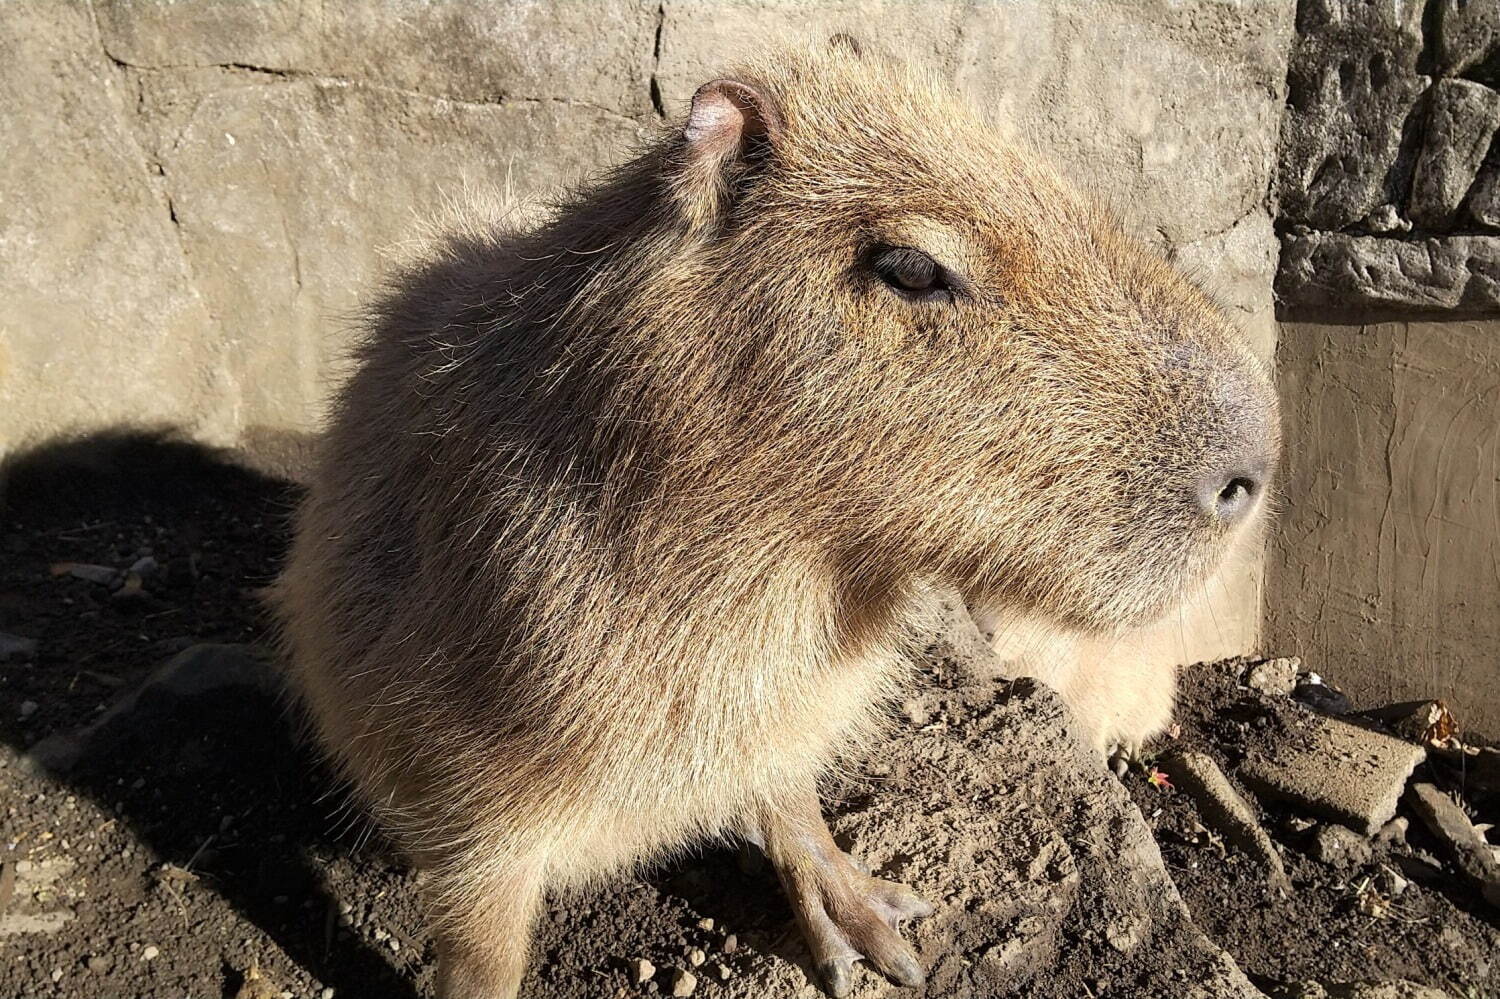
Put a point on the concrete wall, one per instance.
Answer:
(1386, 570)
(197, 195)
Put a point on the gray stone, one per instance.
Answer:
(1337, 770)
(1460, 125)
(16, 647)
(1466, 35)
(1337, 270)
(1340, 847)
(1483, 204)
(1468, 847)
(1224, 810)
(1274, 676)
(1353, 95)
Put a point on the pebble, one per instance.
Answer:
(731, 944)
(642, 971)
(683, 982)
(98, 964)
(16, 647)
(327, 993)
(724, 972)
(150, 953)
(696, 957)
(1338, 846)
(1274, 676)
(57, 974)
(706, 925)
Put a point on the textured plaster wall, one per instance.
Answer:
(197, 196)
(1386, 569)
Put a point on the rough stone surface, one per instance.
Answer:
(1461, 122)
(1353, 110)
(1381, 564)
(1223, 808)
(1364, 273)
(597, 53)
(1350, 774)
(1483, 203)
(1466, 38)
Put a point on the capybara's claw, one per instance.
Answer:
(848, 915)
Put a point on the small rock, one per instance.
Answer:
(696, 957)
(144, 566)
(683, 982)
(724, 972)
(1222, 808)
(731, 944)
(1274, 676)
(28, 708)
(1391, 882)
(1340, 847)
(98, 964)
(327, 993)
(16, 647)
(642, 970)
(57, 974)
(1393, 833)
(1297, 824)
(1467, 846)
(100, 574)
(1385, 218)
(706, 925)
(150, 953)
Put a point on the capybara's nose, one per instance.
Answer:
(1230, 495)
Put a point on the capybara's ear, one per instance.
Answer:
(731, 130)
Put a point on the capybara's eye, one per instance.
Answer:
(911, 273)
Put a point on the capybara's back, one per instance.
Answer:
(614, 532)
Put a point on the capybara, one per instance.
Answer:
(615, 532)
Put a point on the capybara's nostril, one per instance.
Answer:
(1230, 497)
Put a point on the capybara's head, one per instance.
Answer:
(842, 300)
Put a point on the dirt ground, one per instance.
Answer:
(209, 846)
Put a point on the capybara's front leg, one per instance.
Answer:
(483, 922)
(845, 913)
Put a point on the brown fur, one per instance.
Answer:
(615, 529)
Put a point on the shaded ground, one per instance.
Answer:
(211, 845)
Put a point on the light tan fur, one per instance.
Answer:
(614, 531)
